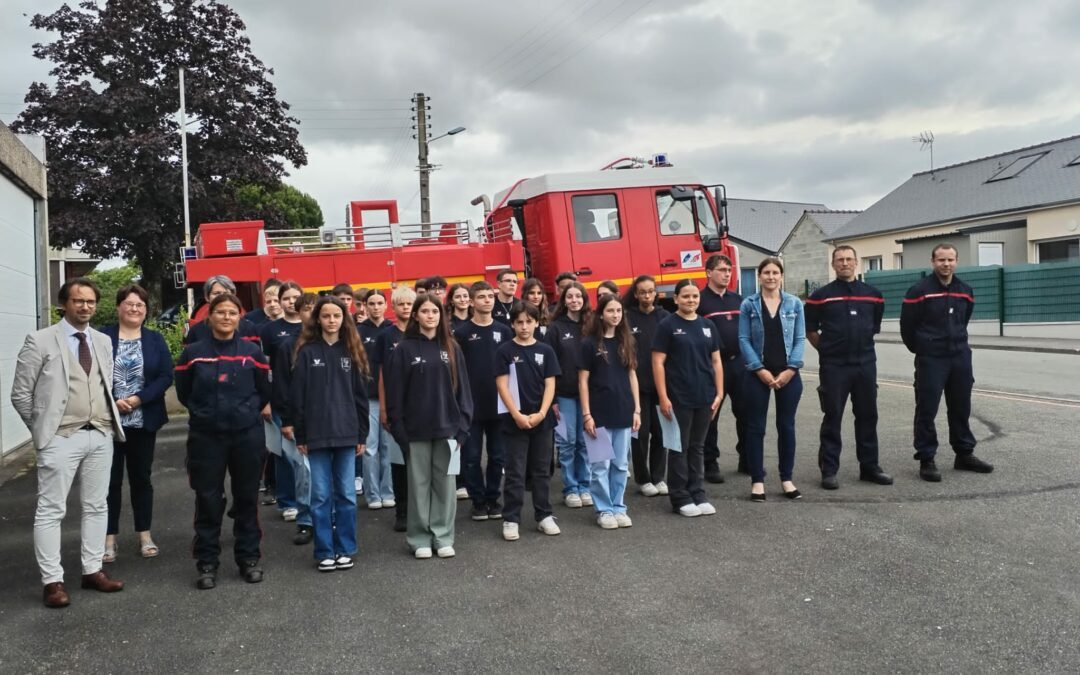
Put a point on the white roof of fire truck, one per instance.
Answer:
(599, 180)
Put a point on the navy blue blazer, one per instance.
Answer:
(157, 375)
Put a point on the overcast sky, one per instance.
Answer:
(800, 101)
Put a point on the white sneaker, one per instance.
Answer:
(388, 503)
(327, 565)
(661, 488)
(375, 505)
(289, 514)
(623, 520)
(706, 508)
(548, 526)
(689, 510)
(648, 490)
(359, 484)
(607, 521)
(572, 500)
(586, 499)
(510, 531)
(423, 553)
(462, 493)
(446, 552)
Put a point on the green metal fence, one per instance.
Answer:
(1048, 292)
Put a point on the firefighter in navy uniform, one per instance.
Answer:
(842, 318)
(933, 324)
(224, 382)
(721, 306)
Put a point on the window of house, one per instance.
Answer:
(898, 261)
(1016, 167)
(1062, 250)
(596, 218)
(872, 264)
(678, 217)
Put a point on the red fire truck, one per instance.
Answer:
(610, 224)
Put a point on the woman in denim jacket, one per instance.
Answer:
(772, 335)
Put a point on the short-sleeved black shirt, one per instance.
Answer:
(534, 364)
(478, 344)
(611, 402)
(688, 369)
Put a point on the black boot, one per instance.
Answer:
(928, 471)
(972, 463)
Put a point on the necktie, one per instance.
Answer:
(84, 352)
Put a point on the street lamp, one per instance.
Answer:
(425, 175)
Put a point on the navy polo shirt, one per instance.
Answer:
(534, 364)
(689, 345)
(478, 344)
(723, 311)
(611, 402)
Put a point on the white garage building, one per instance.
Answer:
(23, 264)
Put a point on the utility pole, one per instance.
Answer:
(420, 106)
(184, 171)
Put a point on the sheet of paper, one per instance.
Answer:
(396, 455)
(273, 438)
(515, 393)
(600, 448)
(455, 458)
(634, 434)
(560, 427)
(669, 429)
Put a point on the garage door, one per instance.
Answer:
(18, 312)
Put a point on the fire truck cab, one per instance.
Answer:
(615, 225)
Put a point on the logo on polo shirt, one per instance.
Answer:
(417, 360)
(369, 340)
(707, 331)
(473, 337)
(635, 330)
(346, 363)
(568, 336)
(317, 363)
(444, 356)
(497, 337)
(539, 359)
(517, 359)
(678, 331)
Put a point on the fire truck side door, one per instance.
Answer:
(600, 243)
(677, 240)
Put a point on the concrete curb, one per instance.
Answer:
(1037, 349)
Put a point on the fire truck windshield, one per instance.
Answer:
(677, 217)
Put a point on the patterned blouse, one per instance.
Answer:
(128, 378)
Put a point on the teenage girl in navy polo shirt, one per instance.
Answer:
(643, 316)
(689, 377)
(533, 293)
(609, 397)
(564, 337)
(527, 425)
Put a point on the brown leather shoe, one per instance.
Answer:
(55, 595)
(100, 581)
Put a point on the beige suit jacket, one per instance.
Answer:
(40, 388)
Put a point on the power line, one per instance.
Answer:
(552, 13)
(588, 44)
(523, 53)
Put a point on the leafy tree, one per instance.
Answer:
(281, 208)
(112, 137)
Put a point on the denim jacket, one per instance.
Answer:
(752, 330)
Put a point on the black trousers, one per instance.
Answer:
(953, 376)
(647, 450)
(399, 473)
(686, 469)
(838, 382)
(209, 456)
(734, 380)
(530, 448)
(137, 452)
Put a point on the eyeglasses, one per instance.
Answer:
(84, 303)
(226, 313)
(133, 305)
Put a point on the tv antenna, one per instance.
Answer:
(926, 140)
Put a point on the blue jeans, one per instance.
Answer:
(608, 486)
(333, 501)
(300, 471)
(756, 395)
(483, 485)
(378, 484)
(572, 456)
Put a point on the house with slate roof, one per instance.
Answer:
(759, 228)
(1021, 206)
(807, 258)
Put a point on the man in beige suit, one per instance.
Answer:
(62, 390)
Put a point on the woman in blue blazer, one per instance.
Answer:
(142, 372)
(772, 336)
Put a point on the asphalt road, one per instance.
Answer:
(978, 573)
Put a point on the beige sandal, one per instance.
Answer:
(148, 548)
(110, 554)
